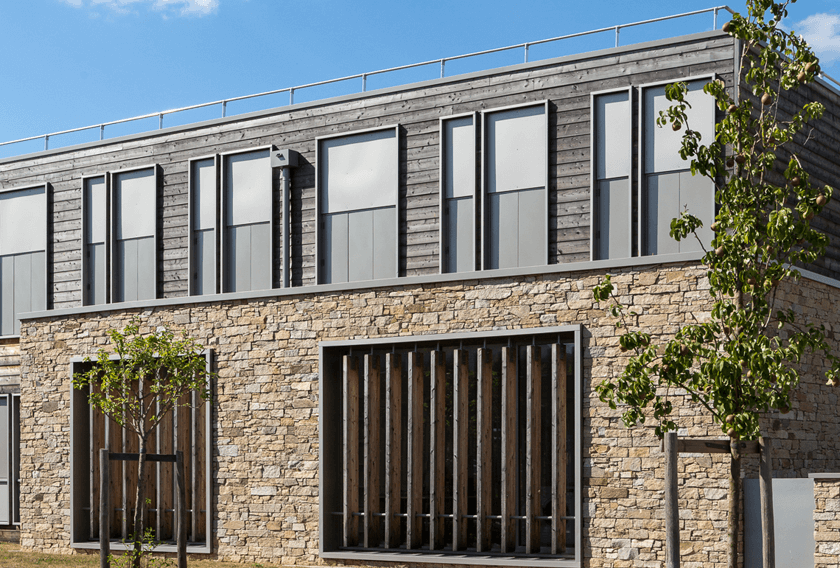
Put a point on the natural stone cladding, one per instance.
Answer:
(827, 522)
(265, 425)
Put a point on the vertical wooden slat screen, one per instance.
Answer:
(372, 458)
(414, 527)
(558, 448)
(484, 450)
(460, 457)
(532, 449)
(393, 447)
(195, 503)
(508, 448)
(437, 448)
(114, 440)
(350, 367)
(201, 468)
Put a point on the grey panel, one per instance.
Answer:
(247, 188)
(96, 220)
(134, 194)
(5, 466)
(385, 243)
(697, 193)
(358, 171)
(203, 178)
(614, 219)
(260, 256)
(204, 262)
(612, 134)
(146, 259)
(503, 230)
(360, 252)
(95, 284)
(663, 205)
(793, 520)
(23, 287)
(39, 281)
(7, 295)
(240, 258)
(661, 144)
(23, 221)
(532, 239)
(125, 271)
(460, 235)
(335, 248)
(516, 149)
(459, 157)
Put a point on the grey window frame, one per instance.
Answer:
(217, 221)
(593, 168)
(108, 213)
(220, 203)
(48, 225)
(113, 213)
(443, 234)
(484, 177)
(641, 181)
(319, 277)
(329, 406)
(76, 445)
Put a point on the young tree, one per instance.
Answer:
(138, 388)
(743, 361)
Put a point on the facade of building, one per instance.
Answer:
(394, 289)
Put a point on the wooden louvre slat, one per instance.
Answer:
(460, 457)
(414, 527)
(350, 432)
(372, 457)
(532, 449)
(393, 447)
(508, 543)
(484, 450)
(558, 449)
(437, 449)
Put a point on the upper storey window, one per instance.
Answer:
(357, 193)
(23, 255)
(515, 227)
(204, 222)
(668, 187)
(458, 188)
(135, 235)
(96, 244)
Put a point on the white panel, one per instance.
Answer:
(360, 251)
(359, 171)
(134, 193)
(96, 220)
(261, 268)
(697, 194)
(663, 205)
(247, 188)
(612, 132)
(532, 238)
(459, 157)
(516, 142)
(662, 144)
(23, 221)
(203, 194)
(613, 219)
(385, 242)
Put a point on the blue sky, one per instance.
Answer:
(73, 63)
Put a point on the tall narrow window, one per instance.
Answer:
(23, 255)
(135, 235)
(203, 222)
(515, 224)
(247, 215)
(612, 203)
(458, 194)
(96, 242)
(9, 459)
(668, 186)
(357, 179)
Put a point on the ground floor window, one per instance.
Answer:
(9, 459)
(187, 429)
(457, 445)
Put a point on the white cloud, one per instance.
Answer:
(198, 7)
(822, 32)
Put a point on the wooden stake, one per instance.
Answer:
(104, 510)
(672, 513)
(181, 508)
(768, 537)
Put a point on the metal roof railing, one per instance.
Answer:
(364, 76)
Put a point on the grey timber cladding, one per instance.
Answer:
(566, 85)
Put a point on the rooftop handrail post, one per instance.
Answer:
(714, 19)
(442, 67)
(46, 142)
(160, 121)
(224, 109)
(102, 132)
(617, 30)
(364, 82)
(526, 53)
(291, 96)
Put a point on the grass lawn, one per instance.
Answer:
(11, 556)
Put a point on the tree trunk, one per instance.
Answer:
(139, 509)
(735, 494)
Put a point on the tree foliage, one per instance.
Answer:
(744, 359)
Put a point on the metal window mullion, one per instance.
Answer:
(158, 180)
(460, 457)
(287, 186)
(191, 233)
(223, 230)
(547, 215)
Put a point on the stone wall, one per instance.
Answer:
(827, 522)
(265, 432)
